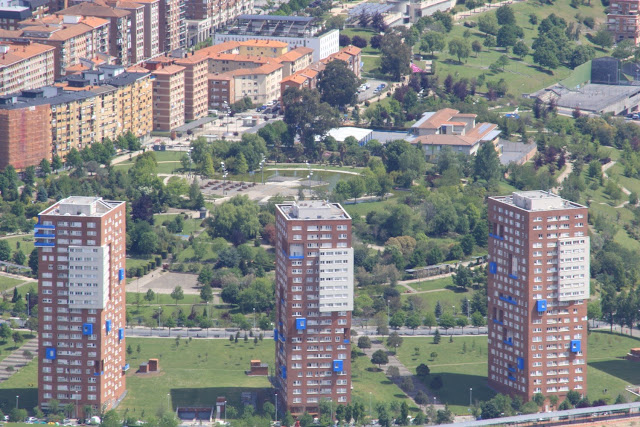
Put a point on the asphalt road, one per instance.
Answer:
(221, 333)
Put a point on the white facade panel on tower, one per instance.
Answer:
(573, 268)
(336, 279)
(88, 274)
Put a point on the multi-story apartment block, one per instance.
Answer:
(168, 97)
(25, 135)
(14, 11)
(221, 90)
(120, 25)
(81, 284)
(173, 25)
(25, 66)
(295, 60)
(85, 109)
(195, 86)
(538, 288)
(151, 27)
(74, 38)
(137, 35)
(268, 48)
(314, 300)
(623, 20)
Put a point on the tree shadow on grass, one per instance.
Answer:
(623, 369)
(28, 398)
(206, 397)
(455, 389)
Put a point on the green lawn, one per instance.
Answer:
(10, 282)
(521, 76)
(137, 262)
(466, 367)
(429, 285)
(461, 364)
(362, 209)
(190, 225)
(24, 243)
(448, 299)
(371, 383)
(24, 384)
(194, 373)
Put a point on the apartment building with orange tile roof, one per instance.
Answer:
(221, 90)
(79, 113)
(25, 65)
(269, 48)
(173, 26)
(195, 86)
(151, 27)
(137, 39)
(168, 97)
(119, 25)
(295, 60)
(73, 38)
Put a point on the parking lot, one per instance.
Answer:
(370, 92)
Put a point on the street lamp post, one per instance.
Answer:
(17, 399)
(254, 317)
(224, 178)
(388, 319)
(225, 412)
(159, 317)
(168, 401)
(369, 404)
(27, 305)
(262, 167)
(276, 407)
(470, 396)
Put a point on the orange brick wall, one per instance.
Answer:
(25, 136)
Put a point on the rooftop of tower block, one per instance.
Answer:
(537, 200)
(313, 210)
(81, 206)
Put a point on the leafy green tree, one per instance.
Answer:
(177, 294)
(422, 371)
(488, 24)
(19, 257)
(395, 55)
(487, 163)
(459, 48)
(463, 277)
(433, 41)
(338, 85)
(521, 49)
(45, 167)
(33, 261)
(447, 321)
(436, 338)
(508, 35)
(5, 251)
(364, 342)
(397, 320)
(430, 320)
(505, 15)
(379, 358)
(150, 296)
(603, 38)
(539, 399)
(476, 47)
(477, 319)
(307, 117)
(206, 293)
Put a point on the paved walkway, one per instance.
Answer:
(404, 372)
(17, 359)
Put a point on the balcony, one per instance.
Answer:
(498, 322)
(508, 341)
(43, 244)
(495, 236)
(508, 299)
